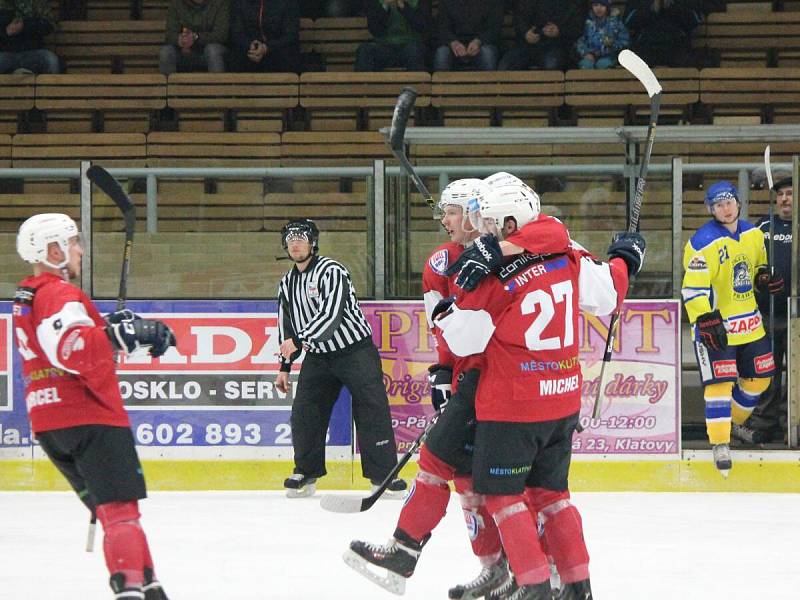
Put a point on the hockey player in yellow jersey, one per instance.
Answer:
(722, 262)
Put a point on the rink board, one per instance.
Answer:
(206, 415)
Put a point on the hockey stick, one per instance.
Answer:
(353, 504)
(770, 260)
(103, 179)
(397, 132)
(639, 69)
(111, 187)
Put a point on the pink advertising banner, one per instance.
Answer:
(640, 408)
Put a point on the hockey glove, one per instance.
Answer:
(630, 247)
(442, 307)
(711, 331)
(769, 283)
(120, 316)
(129, 336)
(441, 379)
(476, 262)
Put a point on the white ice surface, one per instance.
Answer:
(260, 545)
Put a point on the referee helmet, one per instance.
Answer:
(300, 229)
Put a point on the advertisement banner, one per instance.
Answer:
(216, 388)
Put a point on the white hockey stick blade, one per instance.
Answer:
(639, 69)
(391, 582)
(768, 166)
(341, 503)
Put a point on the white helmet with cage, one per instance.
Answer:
(39, 231)
(505, 199)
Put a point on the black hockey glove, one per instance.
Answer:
(712, 331)
(769, 284)
(476, 262)
(441, 379)
(442, 307)
(119, 316)
(630, 247)
(129, 336)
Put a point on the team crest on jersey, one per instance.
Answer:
(698, 263)
(742, 284)
(439, 261)
(313, 289)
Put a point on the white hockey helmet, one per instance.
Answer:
(502, 178)
(462, 192)
(506, 200)
(39, 231)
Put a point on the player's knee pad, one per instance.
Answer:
(754, 386)
(503, 508)
(112, 513)
(433, 470)
(539, 498)
(718, 391)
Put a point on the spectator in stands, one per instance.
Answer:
(661, 30)
(398, 28)
(604, 35)
(265, 36)
(196, 34)
(23, 26)
(545, 33)
(469, 34)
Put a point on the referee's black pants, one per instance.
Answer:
(319, 383)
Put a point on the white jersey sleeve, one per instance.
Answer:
(431, 299)
(596, 292)
(50, 330)
(466, 331)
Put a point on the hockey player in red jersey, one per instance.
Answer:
(446, 455)
(72, 393)
(523, 319)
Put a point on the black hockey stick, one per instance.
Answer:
(639, 69)
(111, 187)
(397, 132)
(770, 259)
(354, 504)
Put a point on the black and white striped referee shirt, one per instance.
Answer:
(319, 306)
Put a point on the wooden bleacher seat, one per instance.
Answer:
(108, 10)
(18, 207)
(252, 102)
(68, 149)
(337, 38)
(195, 149)
(118, 46)
(754, 95)
(16, 97)
(603, 97)
(475, 99)
(752, 38)
(363, 101)
(321, 149)
(332, 211)
(5, 151)
(100, 102)
(210, 212)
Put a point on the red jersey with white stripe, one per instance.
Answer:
(67, 360)
(524, 321)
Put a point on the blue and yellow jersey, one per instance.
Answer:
(719, 273)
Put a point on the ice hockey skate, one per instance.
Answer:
(578, 590)
(300, 486)
(722, 458)
(152, 587)
(506, 587)
(748, 435)
(395, 562)
(534, 591)
(488, 579)
(123, 590)
(396, 490)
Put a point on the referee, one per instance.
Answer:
(319, 313)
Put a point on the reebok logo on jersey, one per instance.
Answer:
(551, 387)
(764, 363)
(724, 368)
(439, 261)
